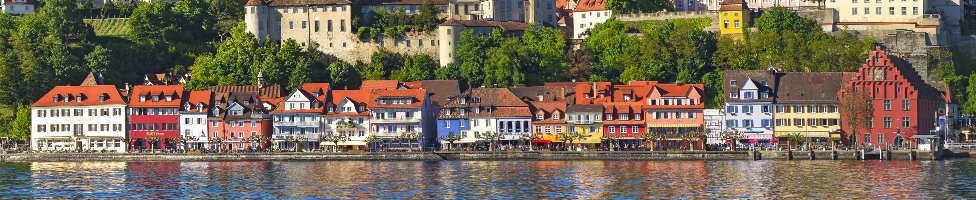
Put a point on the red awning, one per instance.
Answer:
(541, 141)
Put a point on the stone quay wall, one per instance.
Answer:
(439, 156)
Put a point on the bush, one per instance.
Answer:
(363, 34)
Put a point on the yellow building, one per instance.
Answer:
(733, 16)
(585, 119)
(807, 105)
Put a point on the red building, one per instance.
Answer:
(154, 116)
(675, 110)
(903, 105)
(623, 123)
(241, 116)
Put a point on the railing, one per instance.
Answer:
(960, 145)
(931, 16)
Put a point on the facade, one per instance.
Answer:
(588, 14)
(241, 116)
(18, 6)
(542, 12)
(714, 125)
(346, 114)
(586, 119)
(480, 111)
(74, 118)
(549, 123)
(676, 111)
(917, 15)
(807, 105)
(903, 105)
(154, 116)
(193, 119)
(623, 123)
(296, 118)
(503, 10)
(734, 16)
(396, 113)
(449, 34)
(464, 9)
(748, 104)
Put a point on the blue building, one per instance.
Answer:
(749, 104)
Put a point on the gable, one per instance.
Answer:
(297, 96)
(750, 85)
(235, 106)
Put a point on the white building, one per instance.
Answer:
(346, 114)
(714, 125)
(88, 117)
(588, 14)
(193, 119)
(18, 6)
(395, 113)
(749, 103)
(297, 117)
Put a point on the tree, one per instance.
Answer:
(781, 19)
(98, 60)
(794, 139)
(410, 136)
(451, 138)
(63, 20)
(344, 75)
(528, 138)
(232, 63)
(855, 109)
(335, 138)
(644, 6)
(970, 105)
(153, 23)
(416, 68)
(491, 137)
(570, 138)
(20, 127)
(370, 140)
(733, 137)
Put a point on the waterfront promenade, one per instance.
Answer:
(533, 155)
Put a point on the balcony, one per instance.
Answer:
(305, 124)
(396, 120)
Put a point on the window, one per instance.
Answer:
(904, 10)
(867, 138)
(747, 123)
(730, 123)
(906, 104)
(555, 116)
(891, 10)
(877, 10)
(906, 122)
(304, 24)
(747, 95)
(854, 10)
(733, 95)
(870, 122)
(914, 10)
(737, 23)
(765, 109)
(887, 104)
(867, 11)
(733, 83)
(342, 25)
(767, 123)
(329, 25)
(612, 129)
(316, 25)
(291, 25)
(725, 23)
(634, 129)
(887, 122)
(539, 116)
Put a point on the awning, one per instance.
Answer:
(673, 125)
(804, 134)
(835, 136)
(542, 141)
(758, 136)
(925, 136)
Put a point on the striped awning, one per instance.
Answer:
(672, 125)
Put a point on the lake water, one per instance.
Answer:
(953, 179)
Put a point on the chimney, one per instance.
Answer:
(562, 93)
(594, 89)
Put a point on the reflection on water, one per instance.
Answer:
(953, 179)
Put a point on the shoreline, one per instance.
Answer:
(533, 155)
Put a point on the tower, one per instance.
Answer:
(256, 19)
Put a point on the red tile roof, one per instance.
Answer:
(417, 96)
(547, 108)
(356, 96)
(321, 88)
(590, 5)
(379, 84)
(270, 91)
(156, 90)
(90, 96)
(197, 97)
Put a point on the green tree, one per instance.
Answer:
(98, 60)
(780, 19)
(970, 106)
(63, 20)
(154, 23)
(231, 65)
(544, 49)
(344, 75)
(299, 74)
(644, 6)
(195, 17)
(416, 68)
(19, 128)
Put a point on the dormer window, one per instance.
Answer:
(55, 99)
(247, 102)
(142, 98)
(186, 108)
(747, 95)
(169, 98)
(539, 116)
(362, 108)
(601, 95)
(155, 98)
(733, 83)
(586, 95)
(331, 109)
(461, 111)
(200, 107)
(555, 116)
(447, 111)
(652, 102)
(637, 117)
(461, 100)
(476, 100)
(734, 95)
(477, 109)
(609, 116)
(627, 97)
(102, 98)
(78, 99)
(763, 82)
